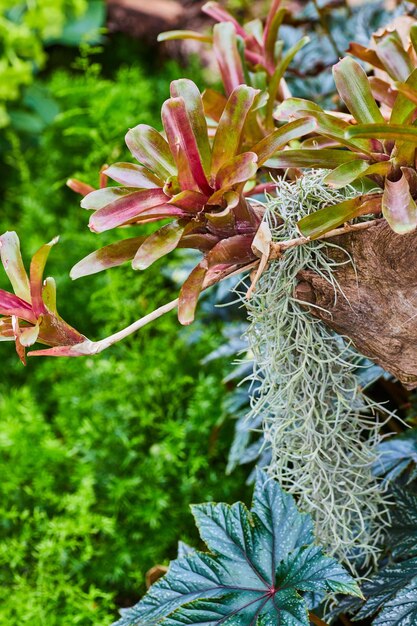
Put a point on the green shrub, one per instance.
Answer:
(102, 456)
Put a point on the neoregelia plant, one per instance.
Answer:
(199, 185)
(251, 53)
(371, 144)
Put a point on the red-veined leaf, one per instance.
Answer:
(151, 150)
(13, 305)
(354, 89)
(238, 170)
(221, 15)
(398, 207)
(100, 198)
(189, 201)
(189, 294)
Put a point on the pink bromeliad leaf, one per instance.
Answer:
(151, 150)
(183, 144)
(31, 316)
(126, 209)
(234, 251)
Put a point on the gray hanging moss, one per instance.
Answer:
(322, 431)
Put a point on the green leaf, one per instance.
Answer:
(110, 256)
(276, 140)
(403, 532)
(259, 562)
(133, 175)
(229, 130)
(406, 101)
(398, 206)
(227, 56)
(396, 455)
(151, 150)
(187, 90)
(318, 223)
(325, 158)
(402, 609)
(386, 586)
(11, 259)
(279, 74)
(394, 132)
(171, 35)
(354, 89)
(158, 244)
(349, 172)
(391, 52)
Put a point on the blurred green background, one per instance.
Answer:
(99, 457)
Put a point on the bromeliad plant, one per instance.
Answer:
(371, 144)
(251, 53)
(198, 185)
(260, 567)
(30, 313)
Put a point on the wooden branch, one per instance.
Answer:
(316, 620)
(377, 306)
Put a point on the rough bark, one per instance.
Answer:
(379, 308)
(145, 18)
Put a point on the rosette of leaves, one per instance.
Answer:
(29, 315)
(251, 53)
(373, 145)
(391, 594)
(197, 184)
(261, 563)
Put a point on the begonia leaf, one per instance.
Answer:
(260, 563)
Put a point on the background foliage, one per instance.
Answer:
(102, 456)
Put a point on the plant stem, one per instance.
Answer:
(278, 248)
(325, 27)
(316, 620)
